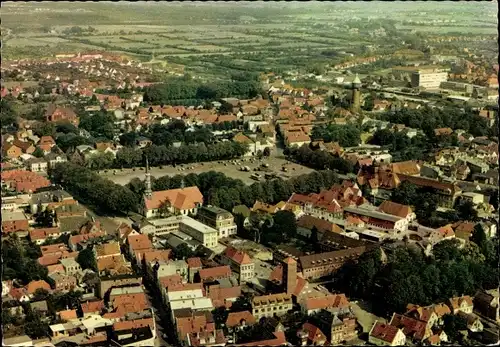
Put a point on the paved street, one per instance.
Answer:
(163, 325)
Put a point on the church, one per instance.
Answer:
(181, 201)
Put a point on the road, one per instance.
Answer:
(161, 316)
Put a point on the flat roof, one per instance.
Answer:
(192, 223)
(13, 216)
(373, 214)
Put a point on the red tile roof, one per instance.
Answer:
(237, 256)
(92, 306)
(235, 319)
(384, 332)
(332, 301)
(314, 334)
(395, 209)
(414, 328)
(194, 262)
(181, 199)
(34, 285)
(67, 314)
(133, 324)
(139, 242)
(217, 272)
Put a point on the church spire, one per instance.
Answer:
(148, 192)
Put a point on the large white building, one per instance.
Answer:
(182, 224)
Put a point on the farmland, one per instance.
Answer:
(217, 40)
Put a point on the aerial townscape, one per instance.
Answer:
(249, 174)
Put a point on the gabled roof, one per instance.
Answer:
(331, 301)
(236, 318)
(314, 334)
(181, 199)
(411, 327)
(237, 256)
(395, 209)
(384, 332)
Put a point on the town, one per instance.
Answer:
(348, 203)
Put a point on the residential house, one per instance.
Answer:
(339, 327)
(461, 304)
(12, 151)
(311, 335)
(271, 305)
(382, 334)
(239, 320)
(63, 282)
(137, 245)
(56, 114)
(89, 308)
(414, 329)
(38, 165)
(240, 262)
(33, 286)
(487, 303)
(214, 273)
(71, 266)
(336, 303)
(55, 158)
(398, 210)
(473, 322)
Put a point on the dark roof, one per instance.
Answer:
(335, 257)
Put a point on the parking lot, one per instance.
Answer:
(231, 168)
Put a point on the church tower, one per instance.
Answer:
(356, 94)
(148, 192)
(289, 275)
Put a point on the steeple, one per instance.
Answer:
(148, 192)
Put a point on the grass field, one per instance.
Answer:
(196, 34)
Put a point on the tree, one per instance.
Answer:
(164, 208)
(183, 251)
(267, 152)
(35, 327)
(220, 316)
(466, 211)
(283, 228)
(453, 324)
(40, 294)
(314, 236)
(242, 303)
(86, 259)
(38, 153)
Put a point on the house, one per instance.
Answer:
(306, 223)
(240, 262)
(40, 306)
(414, 329)
(55, 158)
(38, 165)
(396, 209)
(26, 146)
(56, 114)
(124, 231)
(137, 245)
(432, 314)
(197, 328)
(473, 322)
(64, 282)
(461, 304)
(92, 308)
(32, 287)
(487, 303)
(14, 222)
(382, 334)
(271, 305)
(214, 273)
(296, 139)
(105, 250)
(239, 320)
(143, 142)
(311, 335)
(12, 151)
(178, 201)
(223, 295)
(339, 327)
(71, 266)
(337, 303)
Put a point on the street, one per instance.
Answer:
(161, 316)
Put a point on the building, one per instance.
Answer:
(426, 77)
(339, 327)
(219, 219)
(414, 329)
(270, 305)
(14, 222)
(378, 219)
(336, 303)
(202, 233)
(461, 304)
(487, 303)
(177, 201)
(319, 265)
(382, 334)
(56, 113)
(356, 94)
(240, 262)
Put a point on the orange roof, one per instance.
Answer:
(167, 281)
(215, 272)
(238, 257)
(322, 225)
(241, 138)
(385, 332)
(129, 303)
(52, 249)
(181, 199)
(395, 209)
(194, 262)
(314, 334)
(235, 318)
(111, 262)
(34, 285)
(326, 302)
(157, 255)
(179, 287)
(456, 302)
(107, 249)
(279, 340)
(57, 268)
(92, 306)
(446, 231)
(139, 242)
(43, 233)
(67, 314)
(134, 324)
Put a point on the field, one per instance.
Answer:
(197, 35)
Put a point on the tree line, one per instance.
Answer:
(319, 159)
(408, 276)
(428, 119)
(345, 135)
(182, 88)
